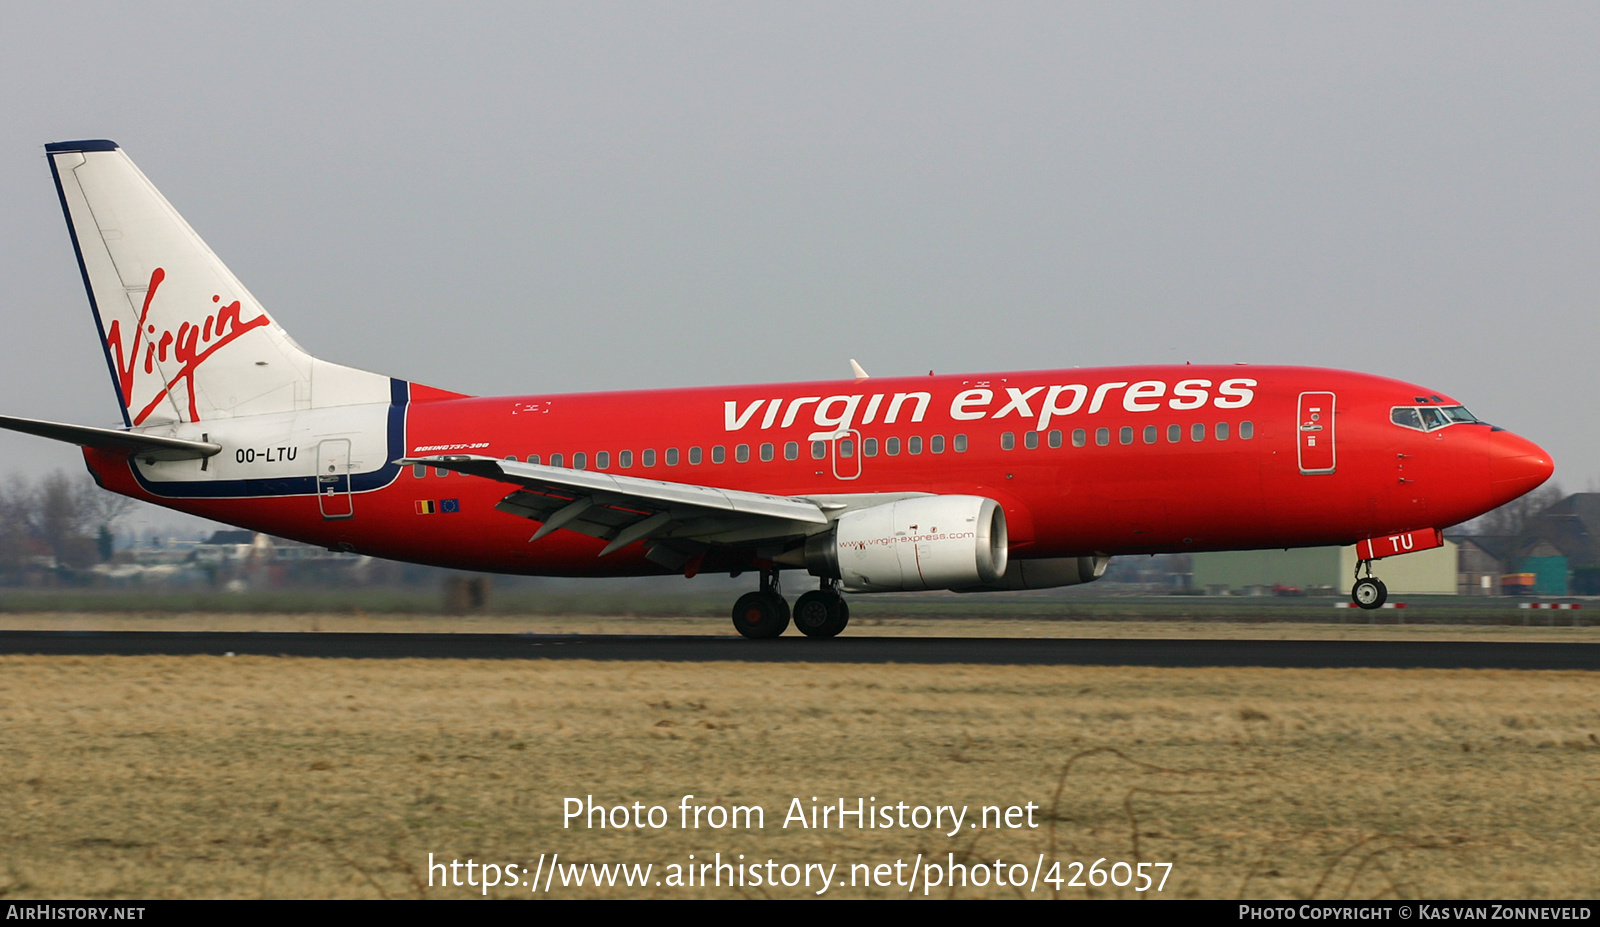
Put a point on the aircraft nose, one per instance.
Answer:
(1516, 466)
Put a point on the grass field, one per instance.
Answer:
(270, 777)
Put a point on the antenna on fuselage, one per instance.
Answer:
(855, 369)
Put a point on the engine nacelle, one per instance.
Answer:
(1045, 574)
(932, 542)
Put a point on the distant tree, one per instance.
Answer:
(1511, 520)
(69, 518)
(15, 533)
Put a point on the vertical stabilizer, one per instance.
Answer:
(185, 341)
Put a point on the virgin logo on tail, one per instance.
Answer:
(220, 328)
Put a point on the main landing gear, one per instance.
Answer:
(761, 615)
(1369, 591)
(764, 614)
(822, 612)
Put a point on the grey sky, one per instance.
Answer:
(524, 197)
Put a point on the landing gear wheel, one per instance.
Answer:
(1369, 593)
(820, 614)
(761, 615)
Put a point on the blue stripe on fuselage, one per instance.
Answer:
(399, 397)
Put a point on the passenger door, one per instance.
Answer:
(1315, 433)
(333, 479)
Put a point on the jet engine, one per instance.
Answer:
(1044, 574)
(931, 542)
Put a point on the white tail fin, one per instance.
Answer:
(185, 341)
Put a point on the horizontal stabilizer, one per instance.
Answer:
(150, 447)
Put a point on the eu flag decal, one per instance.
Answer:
(450, 506)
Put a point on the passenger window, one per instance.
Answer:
(936, 444)
(791, 451)
(1008, 441)
(533, 459)
(648, 457)
(602, 460)
(718, 455)
(819, 450)
(1102, 436)
(419, 470)
(766, 452)
(1126, 435)
(961, 444)
(914, 445)
(1055, 437)
(847, 449)
(1149, 434)
(1030, 440)
(892, 447)
(511, 457)
(742, 453)
(1247, 430)
(694, 455)
(1197, 432)
(869, 447)
(1174, 434)
(555, 460)
(625, 459)
(672, 457)
(1222, 431)
(580, 461)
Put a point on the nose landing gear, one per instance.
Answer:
(1369, 591)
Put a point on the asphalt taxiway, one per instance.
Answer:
(846, 649)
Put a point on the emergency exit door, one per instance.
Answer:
(1315, 433)
(843, 448)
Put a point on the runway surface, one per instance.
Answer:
(860, 649)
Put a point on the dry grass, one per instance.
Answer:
(253, 776)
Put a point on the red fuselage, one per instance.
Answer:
(1126, 460)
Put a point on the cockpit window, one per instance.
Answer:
(1430, 418)
(1406, 417)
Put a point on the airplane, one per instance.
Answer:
(965, 482)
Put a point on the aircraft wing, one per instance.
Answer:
(151, 447)
(624, 509)
(681, 518)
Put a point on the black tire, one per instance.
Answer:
(1369, 593)
(761, 615)
(820, 614)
